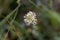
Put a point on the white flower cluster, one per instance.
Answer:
(30, 18)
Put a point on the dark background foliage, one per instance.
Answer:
(12, 26)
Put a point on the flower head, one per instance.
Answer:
(30, 18)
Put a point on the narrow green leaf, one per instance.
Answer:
(8, 16)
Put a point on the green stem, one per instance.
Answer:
(8, 16)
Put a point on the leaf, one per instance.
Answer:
(5, 20)
(8, 16)
(19, 26)
(18, 1)
(54, 15)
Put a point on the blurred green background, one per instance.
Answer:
(12, 26)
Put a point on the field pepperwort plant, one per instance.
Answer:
(29, 20)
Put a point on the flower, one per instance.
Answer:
(30, 18)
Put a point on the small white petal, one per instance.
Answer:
(28, 24)
(24, 16)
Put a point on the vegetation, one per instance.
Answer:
(29, 20)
